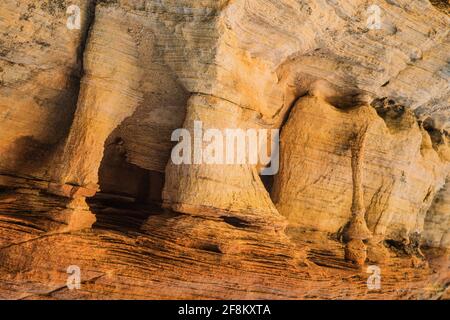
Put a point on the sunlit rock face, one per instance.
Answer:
(41, 66)
(402, 172)
(91, 93)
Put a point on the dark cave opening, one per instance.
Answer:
(128, 194)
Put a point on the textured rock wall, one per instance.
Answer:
(262, 63)
(437, 223)
(402, 170)
(268, 62)
(89, 113)
(40, 73)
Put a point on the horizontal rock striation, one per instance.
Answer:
(403, 168)
(87, 120)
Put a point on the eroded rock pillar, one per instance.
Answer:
(357, 231)
(108, 94)
(219, 190)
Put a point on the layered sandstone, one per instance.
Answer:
(437, 224)
(403, 171)
(87, 117)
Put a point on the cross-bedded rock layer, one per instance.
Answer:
(86, 117)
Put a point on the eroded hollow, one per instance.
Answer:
(313, 189)
(128, 194)
(236, 222)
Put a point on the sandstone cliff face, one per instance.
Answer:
(40, 75)
(86, 122)
(437, 226)
(402, 169)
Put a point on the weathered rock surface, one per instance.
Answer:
(403, 170)
(40, 64)
(437, 224)
(86, 118)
